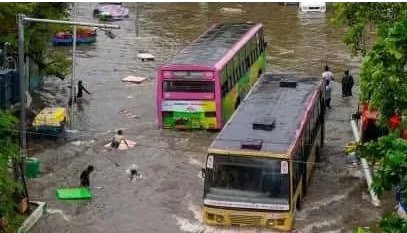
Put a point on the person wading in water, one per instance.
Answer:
(84, 177)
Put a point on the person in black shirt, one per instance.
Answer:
(81, 88)
(347, 84)
(84, 177)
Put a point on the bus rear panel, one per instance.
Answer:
(189, 90)
(256, 170)
(187, 98)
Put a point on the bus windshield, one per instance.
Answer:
(246, 180)
(188, 86)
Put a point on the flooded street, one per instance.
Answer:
(167, 198)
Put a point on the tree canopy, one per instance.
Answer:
(383, 83)
(382, 72)
(36, 34)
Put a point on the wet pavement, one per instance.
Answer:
(168, 196)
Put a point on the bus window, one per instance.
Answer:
(188, 86)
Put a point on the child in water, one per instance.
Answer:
(132, 172)
(117, 140)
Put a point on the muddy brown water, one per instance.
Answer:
(168, 197)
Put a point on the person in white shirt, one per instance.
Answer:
(118, 139)
(327, 74)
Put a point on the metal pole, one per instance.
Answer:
(21, 76)
(73, 86)
(137, 19)
(110, 26)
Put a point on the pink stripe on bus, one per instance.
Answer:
(303, 121)
(229, 55)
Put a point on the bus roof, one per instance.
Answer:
(211, 46)
(268, 101)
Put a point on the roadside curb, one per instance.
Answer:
(40, 211)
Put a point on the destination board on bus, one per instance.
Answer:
(188, 74)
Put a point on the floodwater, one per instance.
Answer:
(167, 197)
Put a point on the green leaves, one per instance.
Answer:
(8, 150)
(391, 223)
(382, 82)
(37, 35)
(391, 151)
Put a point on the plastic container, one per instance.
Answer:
(32, 167)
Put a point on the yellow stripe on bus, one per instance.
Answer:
(247, 152)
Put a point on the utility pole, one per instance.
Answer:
(138, 10)
(21, 18)
(73, 86)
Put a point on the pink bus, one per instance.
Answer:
(202, 86)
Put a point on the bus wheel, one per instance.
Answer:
(260, 72)
(237, 103)
(298, 203)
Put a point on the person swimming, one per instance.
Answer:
(132, 172)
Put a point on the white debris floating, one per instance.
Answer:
(231, 10)
(133, 79)
(146, 56)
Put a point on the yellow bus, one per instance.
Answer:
(259, 166)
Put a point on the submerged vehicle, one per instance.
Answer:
(84, 35)
(312, 7)
(202, 85)
(259, 166)
(108, 11)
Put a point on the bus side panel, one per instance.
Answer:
(232, 99)
(158, 97)
(312, 159)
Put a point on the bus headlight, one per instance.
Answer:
(270, 223)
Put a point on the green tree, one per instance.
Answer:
(382, 76)
(8, 151)
(36, 34)
(382, 82)
(362, 18)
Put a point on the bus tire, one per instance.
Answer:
(260, 72)
(237, 102)
(298, 203)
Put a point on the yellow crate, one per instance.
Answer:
(350, 147)
(50, 117)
